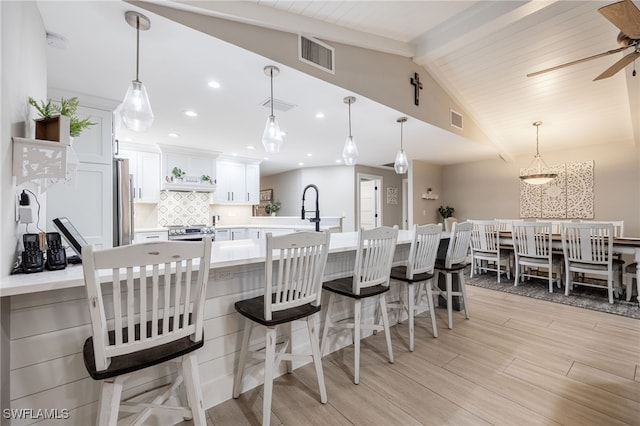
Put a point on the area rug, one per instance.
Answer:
(581, 297)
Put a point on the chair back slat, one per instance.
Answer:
(374, 257)
(459, 243)
(297, 280)
(424, 249)
(532, 239)
(588, 242)
(130, 322)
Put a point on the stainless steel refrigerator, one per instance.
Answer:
(122, 203)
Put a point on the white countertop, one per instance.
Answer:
(310, 227)
(224, 254)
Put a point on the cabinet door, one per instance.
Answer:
(87, 202)
(148, 177)
(231, 183)
(254, 234)
(222, 235)
(253, 183)
(94, 144)
(176, 160)
(239, 234)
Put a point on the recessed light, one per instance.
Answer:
(174, 135)
(251, 147)
(214, 84)
(235, 154)
(266, 158)
(320, 115)
(338, 161)
(301, 164)
(309, 154)
(190, 113)
(126, 140)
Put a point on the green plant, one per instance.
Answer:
(446, 212)
(272, 207)
(205, 178)
(177, 172)
(68, 108)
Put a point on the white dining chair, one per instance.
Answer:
(418, 271)
(532, 248)
(631, 273)
(455, 262)
(588, 250)
(370, 279)
(486, 253)
(152, 311)
(294, 268)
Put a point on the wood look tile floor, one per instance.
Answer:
(517, 361)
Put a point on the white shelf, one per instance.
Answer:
(35, 159)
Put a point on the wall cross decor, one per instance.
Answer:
(417, 86)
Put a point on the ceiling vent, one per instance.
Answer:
(455, 119)
(316, 53)
(278, 105)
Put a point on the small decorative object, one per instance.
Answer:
(392, 195)
(178, 173)
(272, 207)
(446, 212)
(417, 86)
(266, 195)
(206, 178)
(52, 115)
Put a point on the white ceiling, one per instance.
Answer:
(480, 52)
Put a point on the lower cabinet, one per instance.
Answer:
(151, 236)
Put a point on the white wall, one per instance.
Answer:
(24, 74)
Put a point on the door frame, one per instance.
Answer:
(367, 177)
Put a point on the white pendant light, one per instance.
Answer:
(539, 177)
(272, 137)
(402, 164)
(350, 151)
(136, 109)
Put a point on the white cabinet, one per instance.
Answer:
(237, 182)
(222, 234)
(231, 234)
(255, 233)
(145, 168)
(239, 234)
(277, 231)
(150, 236)
(199, 169)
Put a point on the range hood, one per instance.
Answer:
(188, 169)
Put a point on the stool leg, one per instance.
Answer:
(269, 366)
(449, 300)
(432, 310)
(357, 311)
(463, 290)
(312, 326)
(194, 390)
(242, 360)
(411, 296)
(385, 323)
(327, 325)
(109, 403)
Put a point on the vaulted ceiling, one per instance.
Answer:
(479, 51)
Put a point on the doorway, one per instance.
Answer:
(369, 201)
(405, 203)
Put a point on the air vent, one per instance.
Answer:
(278, 105)
(456, 119)
(316, 53)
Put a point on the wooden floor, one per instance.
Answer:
(517, 361)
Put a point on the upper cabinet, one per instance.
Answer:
(144, 166)
(238, 181)
(188, 169)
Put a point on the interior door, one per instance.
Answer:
(369, 203)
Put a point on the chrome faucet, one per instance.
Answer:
(316, 219)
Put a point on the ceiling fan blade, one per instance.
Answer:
(626, 60)
(579, 61)
(624, 15)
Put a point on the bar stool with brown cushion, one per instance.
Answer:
(151, 312)
(418, 272)
(370, 279)
(455, 263)
(292, 292)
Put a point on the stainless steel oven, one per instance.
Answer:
(191, 233)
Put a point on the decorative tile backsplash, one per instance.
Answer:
(177, 208)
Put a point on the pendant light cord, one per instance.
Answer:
(137, 47)
(349, 118)
(271, 76)
(401, 127)
(537, 141)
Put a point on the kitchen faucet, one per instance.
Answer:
(316, 219)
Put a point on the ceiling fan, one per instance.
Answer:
(626, 16)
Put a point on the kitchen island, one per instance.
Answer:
(45, 321)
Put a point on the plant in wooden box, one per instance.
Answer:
(446, 212)
(59, 122)
(272, 207)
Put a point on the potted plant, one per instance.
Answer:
(272, 207)
(446, 212)
(178, 173)
(206, 178)
(58, 121)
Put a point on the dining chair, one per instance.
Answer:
(370, 279)
(152, 311)
(294, 267)
(588, 249)
(486, 250)
(532, 248)
(418, 271)
(455, 263)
